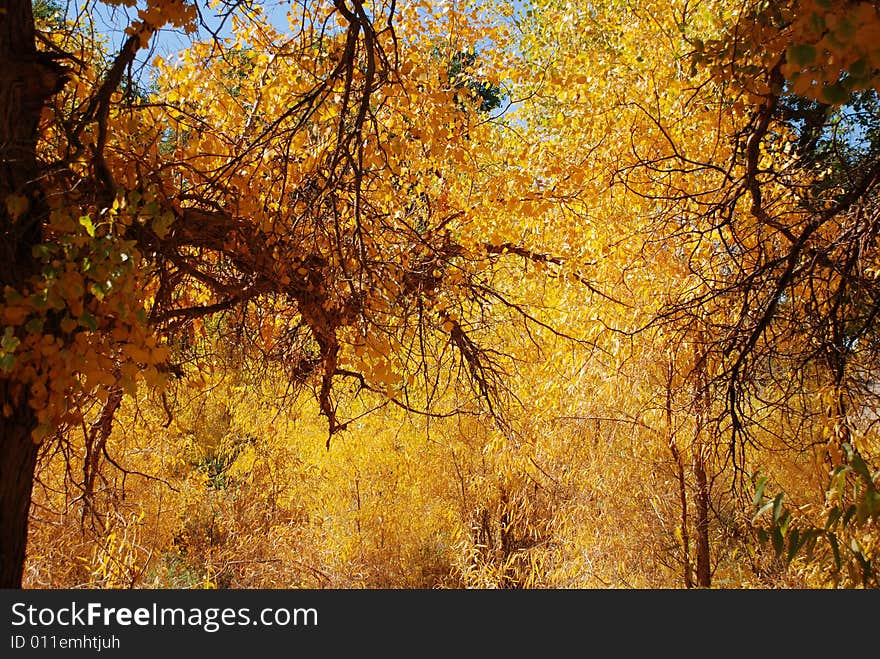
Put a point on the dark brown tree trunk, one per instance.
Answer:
(682, 484)
(27, 79)
(701, 521)
(17, 461)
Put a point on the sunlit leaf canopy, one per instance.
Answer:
(328, 188)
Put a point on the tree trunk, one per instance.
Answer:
(704, 572)
(703, 407)
(27, 79)
(682, 483)
(17, 462)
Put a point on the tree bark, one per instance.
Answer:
(704, 570)
(17, 462)
(682, 484)
(27, 79)
(701, 521)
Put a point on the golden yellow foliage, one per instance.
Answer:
(459, 296)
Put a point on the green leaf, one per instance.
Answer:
(858, 464)
(97, 289)
(860, 70)
(844, 29)
(778, 541)
(833, 517)
(808, 540)
(86, 222)
(865, 564)
(88, 320)
(759, 492)
(872, 502)
(835, 548)
(784, 521)
(9, 342)
(835, 94)
(34, 326)
(777, 506)
(802, 54)
(793, 545)
(767, 506)
(162, 224)
(42, 251)
(150, 209)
